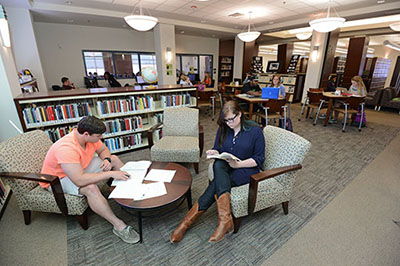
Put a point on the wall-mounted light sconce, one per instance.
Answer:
(314, 54)
(169, 55)
(4, 29)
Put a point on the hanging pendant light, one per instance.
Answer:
(327, 24)
(249, 36)
(141, 22)
(395, 26)
(303, 35)
(4, 29)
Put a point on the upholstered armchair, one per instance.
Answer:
(182, 137)
(390, 98)
(284, 153)
(374, 98)
(21, 160)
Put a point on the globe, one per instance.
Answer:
(149, 75)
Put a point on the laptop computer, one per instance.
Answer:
(270, 93)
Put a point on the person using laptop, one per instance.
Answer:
(276, 83)
(252, 87)
(357, 87)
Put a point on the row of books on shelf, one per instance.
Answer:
(57, 133)
(118, 125)
(175, 100)
(120, 143)
(131, 104)
(158, 118)
(55, 113)
(3, 193)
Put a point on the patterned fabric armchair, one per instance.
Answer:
(182, 139)
(21, 160)
(388, 98)
(284, 153)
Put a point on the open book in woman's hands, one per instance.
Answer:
(224, 156)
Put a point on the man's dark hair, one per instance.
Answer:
(92, 125)
(64, 79)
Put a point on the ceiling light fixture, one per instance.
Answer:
(4, 29)
(327, 24)
(303, 36)
(395, 26)
(249, 36)
(140, 22)
(391, 45)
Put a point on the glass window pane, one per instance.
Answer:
(123, 65)
(98, 62)
(148, 60)
(189, 64)
(135, 63)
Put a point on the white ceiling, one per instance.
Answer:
(203, 18)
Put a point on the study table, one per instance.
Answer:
(331, 96)
(178, 189)
(251, 101)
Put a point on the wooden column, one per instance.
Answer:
(356, 54)
(329, 57)
(250, 50)
(285, 52)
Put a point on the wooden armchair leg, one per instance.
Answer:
(236, 224)
(27, 217)
(83, 220)
(196, 167)
(285, 206)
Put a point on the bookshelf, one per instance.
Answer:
(128, 112)
(226, 68)
(5, 195)
(294, 83)
(257, 64)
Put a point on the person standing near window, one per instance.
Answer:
(245, 140)
(276, 83)
(111, 80)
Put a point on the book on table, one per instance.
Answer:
(224, 156)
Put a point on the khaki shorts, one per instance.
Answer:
(69, 187)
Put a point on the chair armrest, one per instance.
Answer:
(54, 183)
(256, 178)
(150, 134)
(201, 139)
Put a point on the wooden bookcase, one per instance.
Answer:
(226, 69)
(5, 195)
(128, 112)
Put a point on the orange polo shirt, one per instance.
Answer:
(67, 150)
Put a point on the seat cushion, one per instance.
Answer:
(270, 192)
(176, 149)
(40, 199)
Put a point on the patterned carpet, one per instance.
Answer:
(333, 161)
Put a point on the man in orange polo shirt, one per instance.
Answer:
(72, 159)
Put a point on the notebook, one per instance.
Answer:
(270, 93)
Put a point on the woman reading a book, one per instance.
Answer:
(244, 140)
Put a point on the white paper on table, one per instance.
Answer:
(136, 177)
(121, 192)
(139, 165)
(160, 175)
(151, 190)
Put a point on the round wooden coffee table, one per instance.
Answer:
(178, 189)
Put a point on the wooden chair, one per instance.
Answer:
(284, 153)
(313, 101)
(207, 99)
(273, 109)
(21, 160)
(182, 140)
(352, 106)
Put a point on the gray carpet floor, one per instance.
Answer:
(333, 161)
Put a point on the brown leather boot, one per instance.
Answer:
(187, 222)
(225, 224)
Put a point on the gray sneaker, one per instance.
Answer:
(128, 235)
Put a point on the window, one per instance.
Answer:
(195, 65)
(98, 62)
(120, 64)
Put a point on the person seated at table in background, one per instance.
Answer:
(247, 79)
(72, 159)
(207, 80)
(252, 87)
(185, 80)
(181, 77)
(245, 140)
(67, 85)
(111, 80)
(331, 86)
(277, 83)
(357, 87)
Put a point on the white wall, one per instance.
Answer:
(266, 58)
(60, 47)
(199, 45)
(389, 53)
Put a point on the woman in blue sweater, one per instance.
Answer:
(245, 140)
